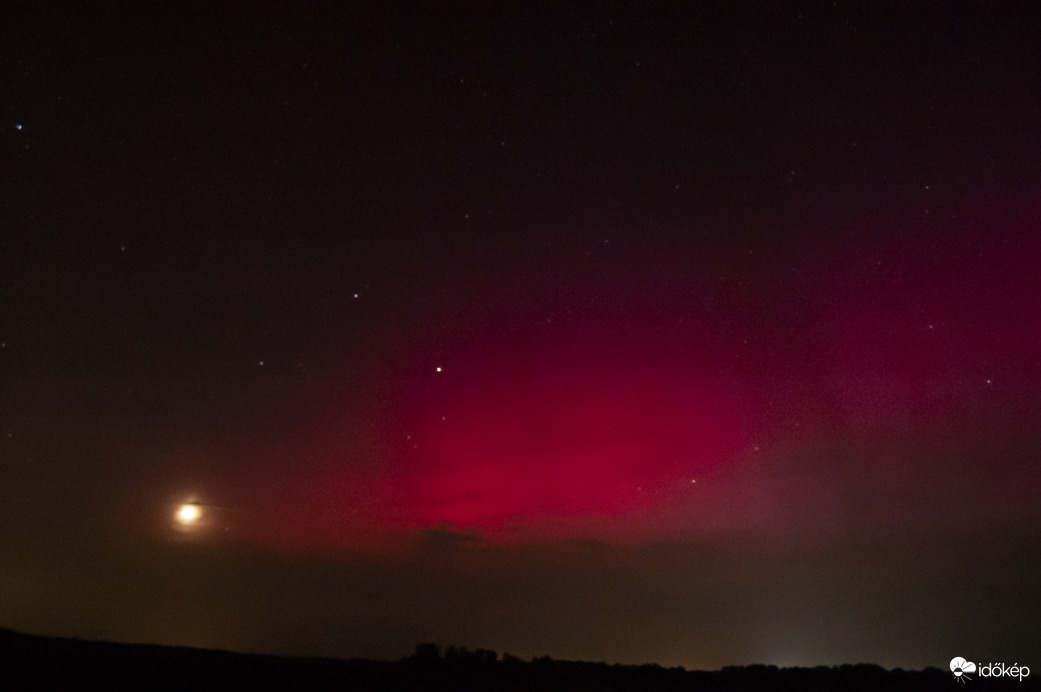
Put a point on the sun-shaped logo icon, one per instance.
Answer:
(960, 667)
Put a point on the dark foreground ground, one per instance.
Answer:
(42, 663)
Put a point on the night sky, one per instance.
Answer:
(700, 335)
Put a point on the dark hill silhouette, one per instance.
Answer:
(45, 663)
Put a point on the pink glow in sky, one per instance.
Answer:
(519, 426)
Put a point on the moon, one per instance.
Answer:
(188, 514)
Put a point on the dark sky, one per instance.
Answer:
(699, 336)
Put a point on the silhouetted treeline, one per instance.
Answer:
(44, 663)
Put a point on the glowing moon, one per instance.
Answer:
(189, 513)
